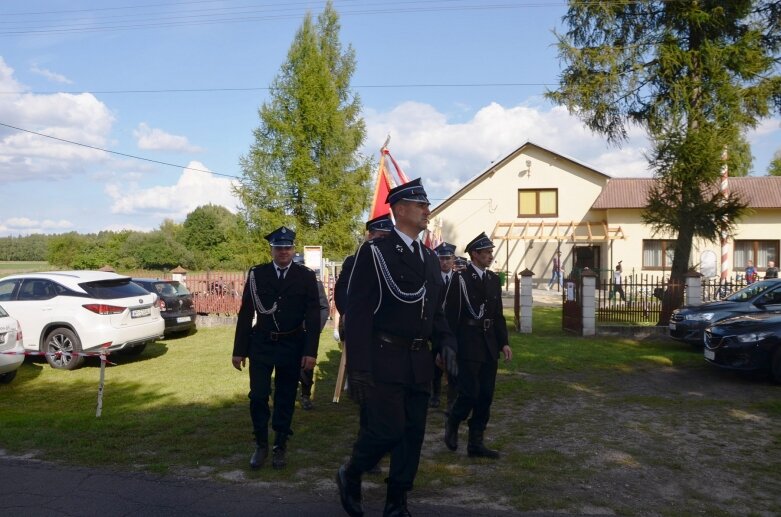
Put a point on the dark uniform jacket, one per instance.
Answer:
(340, 288)
(297, 300)
(372, 308)
(476, 341)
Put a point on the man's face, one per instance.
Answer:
(412, 213)
(282, 255)
(770, 263)
(446, 263)
(482, 258)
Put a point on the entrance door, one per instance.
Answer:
(587, 257)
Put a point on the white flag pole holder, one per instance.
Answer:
(103, 361)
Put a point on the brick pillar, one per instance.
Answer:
(588, 303)
(693, 288)
(527, 301)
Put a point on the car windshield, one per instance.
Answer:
(749, 292)
(108, 289)
(181, 289)
(3, 314)
(165, 289)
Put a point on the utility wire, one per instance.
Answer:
(117, 152)
(261, 88)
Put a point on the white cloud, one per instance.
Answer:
(26, 226)
(153, 139)
(448, 154)
(51, 76)
(193, 189)
(79, 118)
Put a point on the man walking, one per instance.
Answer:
(474, 312)
(446, 255)
(556, 275)
(393, 310)
(283, 297)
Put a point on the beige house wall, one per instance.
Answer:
(492, 197)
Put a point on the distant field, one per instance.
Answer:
(8, 267)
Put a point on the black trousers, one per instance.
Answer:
(283, 358)
(476, 382)
(395, 422)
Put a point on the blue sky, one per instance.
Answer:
(111, 74)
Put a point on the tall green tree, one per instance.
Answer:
(695, 74)
(304, 169)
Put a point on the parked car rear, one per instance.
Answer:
(11, 349)
(67, 313)
(175, 301)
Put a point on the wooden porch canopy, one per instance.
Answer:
(572, 231)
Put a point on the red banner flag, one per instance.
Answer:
(381, 188)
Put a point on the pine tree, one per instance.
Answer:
(695, 75)
(304, 169)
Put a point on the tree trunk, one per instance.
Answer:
(673, 295)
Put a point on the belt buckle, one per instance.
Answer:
(417, 344)
(273, 336)
(487, 324)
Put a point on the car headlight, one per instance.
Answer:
(702, 316)
(753, 337)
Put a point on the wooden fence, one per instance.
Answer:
(219, 292)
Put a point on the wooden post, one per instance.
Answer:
(340, 375)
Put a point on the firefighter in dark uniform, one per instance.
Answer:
(376, 228)
(283, 296)
(446, 255)
(474, 312)
(394, 308)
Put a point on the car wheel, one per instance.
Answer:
(62, 347)
(5, 378)
(134, 350)
(777, 365)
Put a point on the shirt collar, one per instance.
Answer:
(277, 266)
(406, 238)
(480, 272)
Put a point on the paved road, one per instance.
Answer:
(34, 488)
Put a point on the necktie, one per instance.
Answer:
(416, 249)
(447, 280)
(282, 271)
(485, 278)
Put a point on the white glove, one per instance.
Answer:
(336, 335)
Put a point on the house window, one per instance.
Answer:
(538, 202)
(759, 252)
(658, 254)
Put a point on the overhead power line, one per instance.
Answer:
(135, 157)
(261, 88)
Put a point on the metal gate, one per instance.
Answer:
(572, 308)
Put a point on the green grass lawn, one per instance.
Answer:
(562, 406)
(9, 267)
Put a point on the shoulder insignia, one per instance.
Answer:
(474, 275)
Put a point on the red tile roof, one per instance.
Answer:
(756, 191)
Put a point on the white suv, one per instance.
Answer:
(64, 313)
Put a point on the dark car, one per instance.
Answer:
(688, 323)
(751, 342)
(176, 303)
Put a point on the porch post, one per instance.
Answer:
(527, 300)
(693, 288)
(588, 305)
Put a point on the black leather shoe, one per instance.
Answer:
(259, 456)
(375, 470)
(349, 493)
(451, 435)
(306, 403)
(433, 402)
(278, 457)
(475, 448)
(396, 505)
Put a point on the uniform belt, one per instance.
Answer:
(413, 344)
(485, 323)
(274, 335)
